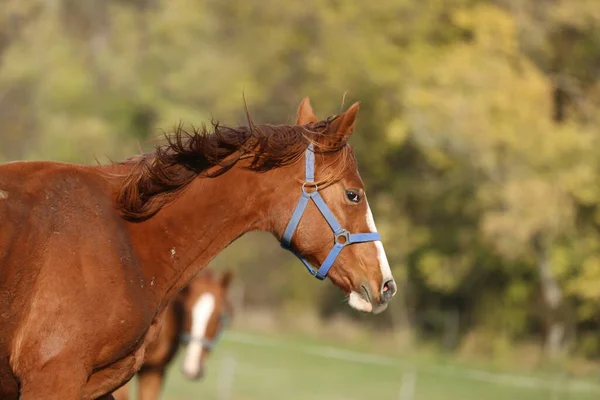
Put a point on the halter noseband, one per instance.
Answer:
(206, 343)
(342, 237)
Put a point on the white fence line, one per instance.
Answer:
(570, 385)
(226, 377)
(407, 388)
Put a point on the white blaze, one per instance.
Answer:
(201, 312)
(356, 300)
(384, 265)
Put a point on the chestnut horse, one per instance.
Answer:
(196, 316)
(90, 256)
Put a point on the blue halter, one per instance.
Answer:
(342, 237)
(206, 343)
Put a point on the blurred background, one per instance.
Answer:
(477, 139)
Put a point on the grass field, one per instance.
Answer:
(254, 367)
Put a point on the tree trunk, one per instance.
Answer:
(553, 300)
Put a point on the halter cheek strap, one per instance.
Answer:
(342, 237)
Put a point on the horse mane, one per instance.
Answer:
(158, 177)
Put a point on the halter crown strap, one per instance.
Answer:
(342, 237)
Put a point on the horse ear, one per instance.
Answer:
(226, 279)
(305, 113)
(340, 129)
(343, 125)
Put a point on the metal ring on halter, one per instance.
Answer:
(313, 184)
(345, 234)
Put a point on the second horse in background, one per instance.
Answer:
(196, 317)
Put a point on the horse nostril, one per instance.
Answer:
(388, 290)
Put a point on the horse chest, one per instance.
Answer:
(112, 376)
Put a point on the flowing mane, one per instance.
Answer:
(159, 176)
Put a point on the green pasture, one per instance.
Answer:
(253, 367)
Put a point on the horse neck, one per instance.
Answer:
(187, 234)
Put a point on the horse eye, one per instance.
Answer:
(353, 196)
